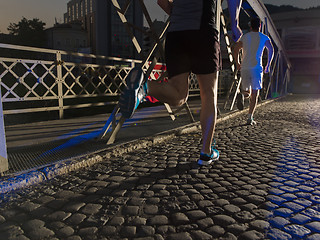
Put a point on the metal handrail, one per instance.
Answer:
(52, 79)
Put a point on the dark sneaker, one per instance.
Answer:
(135, 92)
(206, 159)
(240, 101)
(250, 121)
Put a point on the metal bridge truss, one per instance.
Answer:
(148, 63)
(44, 80)
(278, 78)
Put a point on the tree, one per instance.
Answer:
(29, 32)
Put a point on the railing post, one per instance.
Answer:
(59, 82)
(278, 73)
(3, 146)
(287, 79)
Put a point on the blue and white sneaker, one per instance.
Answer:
(206, 159)
(250, 121)
(135, 92)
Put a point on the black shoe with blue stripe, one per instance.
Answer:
(250, 121)
(206, 159)
(135, 92)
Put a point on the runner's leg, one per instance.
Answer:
(174, 92)
(256, 84)
(253, 101)
(208, 116)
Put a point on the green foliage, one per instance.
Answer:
(29, 32)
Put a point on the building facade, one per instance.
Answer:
(300, 31)
(107, 35)
(69, 37)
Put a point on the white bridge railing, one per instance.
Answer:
(53, 79)
(46, 80)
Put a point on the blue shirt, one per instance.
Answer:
(253, 46)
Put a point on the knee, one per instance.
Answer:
(208, 95)
(178, 101)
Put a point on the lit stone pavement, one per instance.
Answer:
(264, 186)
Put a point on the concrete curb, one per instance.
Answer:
(43, 173)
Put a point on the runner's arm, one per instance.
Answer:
(269, 46)
(234, 7)
(236, 52)
(166, 5)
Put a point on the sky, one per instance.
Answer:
(12, 11)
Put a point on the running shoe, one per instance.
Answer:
(135, 92)
(250, 121)
(206, 159)
(240, 101)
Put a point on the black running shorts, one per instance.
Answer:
(196, 51)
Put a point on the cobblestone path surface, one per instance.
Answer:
(266, 185)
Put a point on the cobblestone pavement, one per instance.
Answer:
(265, 186)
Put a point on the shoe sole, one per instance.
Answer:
(128, 100)
(205, 163)
(128, 103)
(134, 74)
